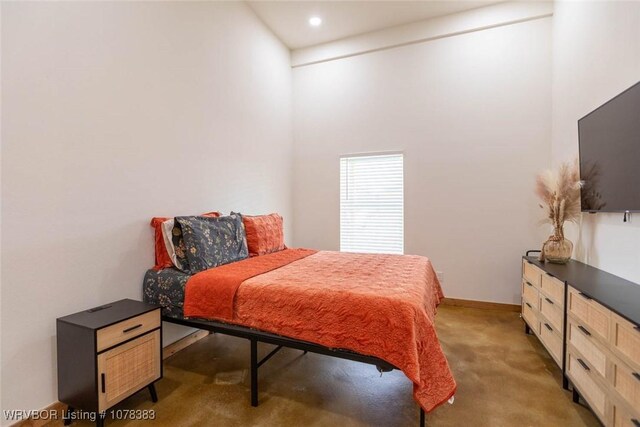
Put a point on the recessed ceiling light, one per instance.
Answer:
(315, 21)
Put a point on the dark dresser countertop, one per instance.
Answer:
(108, 314)
(617, 294)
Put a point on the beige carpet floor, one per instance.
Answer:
(505, 378)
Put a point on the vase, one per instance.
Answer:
(557, 249)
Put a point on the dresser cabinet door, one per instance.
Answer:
(127, 368)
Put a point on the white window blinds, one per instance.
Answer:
(372, 203)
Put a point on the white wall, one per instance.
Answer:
(113, 113)
(472, 115)
(0, 211)
(596, 55)
(482, 18)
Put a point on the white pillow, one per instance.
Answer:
(167, 229)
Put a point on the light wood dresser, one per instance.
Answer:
(589, 322)
(106, 354)
(543, 308)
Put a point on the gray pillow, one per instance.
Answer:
(210, 242)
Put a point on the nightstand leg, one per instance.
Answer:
(565, 382)
(100, 420)
(152, 391)
(576, 396)
(527, 329)
(67, 415)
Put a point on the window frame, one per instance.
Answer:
(400, 153)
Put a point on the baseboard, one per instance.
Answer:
(485, 305)
(51, 413)
(183, 343)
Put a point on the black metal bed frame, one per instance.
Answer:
(254, 336)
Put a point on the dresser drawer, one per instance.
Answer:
(625, 340)
(127, 329)
(550, 338)
(627, 383)
(553, 288)
(622, 418)
(531, 273)
(584, 379)
(552, 312)
(531, 295)
(580, 338)
(529, 315)
(594, 316)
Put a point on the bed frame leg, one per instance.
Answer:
(422, 418)
(254, 372)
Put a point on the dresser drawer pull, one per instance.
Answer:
(549, 274)
(583, 329)
(584, 365)
(585, 296)
(548, 300)
(529, 305)
(529, 284)
(635, 422)
(637, 375)
(133, 328)
(548, 327)
(103, 378)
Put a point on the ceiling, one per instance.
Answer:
(289, 20)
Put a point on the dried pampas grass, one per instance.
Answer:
(560, 194)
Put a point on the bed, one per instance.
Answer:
(373, 308)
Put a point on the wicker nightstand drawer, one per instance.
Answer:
(127, 329)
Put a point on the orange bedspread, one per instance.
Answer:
(378, 305)
(210, 294)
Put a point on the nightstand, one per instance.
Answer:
(106, 354)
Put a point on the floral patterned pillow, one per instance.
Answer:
(179, 253)
(205, 243)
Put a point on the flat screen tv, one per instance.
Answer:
(609, 140)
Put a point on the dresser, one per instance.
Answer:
(106, 354)
(589, 322)
(543, 309)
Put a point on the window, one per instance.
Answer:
(372, 203)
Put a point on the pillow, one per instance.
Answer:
(209, 242)
(163, 246)
(264, 234)
(163, 260)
